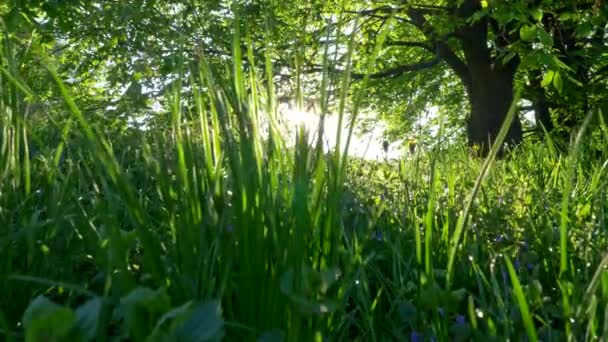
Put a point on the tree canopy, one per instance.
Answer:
(463, 58)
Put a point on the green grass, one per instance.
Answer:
(213, 229)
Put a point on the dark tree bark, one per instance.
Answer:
(542, 114)
(488, 81)
(490, 84)
(491, 96)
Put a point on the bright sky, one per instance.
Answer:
(367, 146)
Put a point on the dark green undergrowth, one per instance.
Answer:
(212, 229)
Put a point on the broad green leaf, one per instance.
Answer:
(46, 321)
(558, 82)
(204, 323)
(548, 78)
(154, 301)
(407, 311)
(545, 38)
(141, 307)
(528, 33)
(87, 317)
(537, 14)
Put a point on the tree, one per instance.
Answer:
(549, 48)
(437, 52)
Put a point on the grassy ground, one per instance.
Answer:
(182, 234)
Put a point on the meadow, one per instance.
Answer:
(210, 228)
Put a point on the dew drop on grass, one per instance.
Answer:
(479, 313)
(357, 282)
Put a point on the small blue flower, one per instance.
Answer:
(441, 311)
(516, 264)
(499, 238)
(229, 228)
(530, 266)
(416, 337)
(378, 236)
(460, 320)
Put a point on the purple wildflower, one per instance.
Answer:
(460, 320)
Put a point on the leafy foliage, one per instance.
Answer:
(202, 225)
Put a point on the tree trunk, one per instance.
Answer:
(490, 97)
(487, 80)
(489, 87)
(542, 115)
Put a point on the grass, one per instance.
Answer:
(213, 229)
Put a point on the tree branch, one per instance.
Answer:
(442, 50)
(422, 45)
(399, 70)
(392, 72)
(381, 9)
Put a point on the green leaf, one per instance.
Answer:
(274, 335)
(584, 30)
(574, 80)
(87, 318)
(46, 321)
(547, 79)
(537, 14)
(508, 57)
(154, 301)
(141, 307)
(567, 16)
(545, 38)
(205, 323)
(558, 82)
(528, 33)
(328, 278)
(407, 311)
